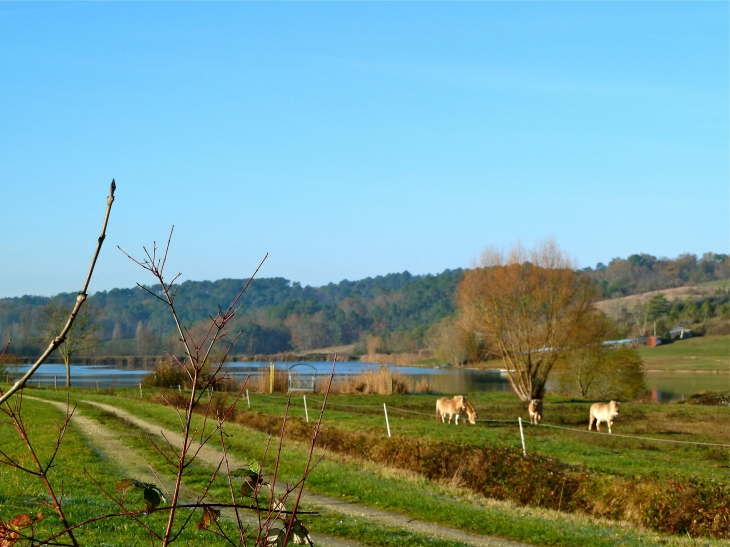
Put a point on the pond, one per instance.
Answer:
(665, 386)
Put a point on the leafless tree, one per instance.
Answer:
(529, 307)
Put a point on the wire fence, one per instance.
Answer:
(377, 409)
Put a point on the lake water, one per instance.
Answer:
(665, 386)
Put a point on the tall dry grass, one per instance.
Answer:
(382, 381)
(260, 383)
(398, 359)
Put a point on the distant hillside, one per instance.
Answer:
(643, 272)
(280, 315)
(277, 315)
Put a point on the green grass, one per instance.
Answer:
(702, 353)
(717, 283)
(23, 493)
(372, 485)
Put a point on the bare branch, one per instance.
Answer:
(80, 299)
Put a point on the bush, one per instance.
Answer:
(622, 376)
(167, 374)
(601, 373)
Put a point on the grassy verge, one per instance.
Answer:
(410, 494)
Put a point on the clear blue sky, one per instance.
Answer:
(356, 139)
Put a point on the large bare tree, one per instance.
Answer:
(529, 307)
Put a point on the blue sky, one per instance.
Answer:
(350, 140)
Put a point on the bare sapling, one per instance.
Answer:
(80, 299)
(203, 379)
(202, 420)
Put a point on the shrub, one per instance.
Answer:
(167, 374)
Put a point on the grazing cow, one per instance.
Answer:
(470, 412)
(601, 412)
(535, 410)
(452, 407)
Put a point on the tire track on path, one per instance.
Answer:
(212, 457)
(134, 465)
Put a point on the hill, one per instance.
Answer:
(279, 315)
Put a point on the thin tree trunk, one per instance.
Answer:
(66, 360)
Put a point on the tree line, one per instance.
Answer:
(278, 315)
(394, 313)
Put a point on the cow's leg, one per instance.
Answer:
(590, 423)
(456, 420)
(610, 423)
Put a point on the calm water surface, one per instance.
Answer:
(665, 386)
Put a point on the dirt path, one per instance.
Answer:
(132, 464)
(212, 457)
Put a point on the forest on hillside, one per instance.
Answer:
(402, 312)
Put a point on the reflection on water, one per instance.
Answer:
(665, 386)
(673, 386)
(81, 375)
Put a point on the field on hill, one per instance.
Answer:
(702, 353)
(706, 289)
(469, 477)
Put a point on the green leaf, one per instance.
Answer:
(247, 489)
(299, 534)
(255, 467)
(152, 497)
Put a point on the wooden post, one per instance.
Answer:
(522, 436)
(271, 377)
(55, 382)
(140, 390)
(387, 425)
(248, 400)
(179, 389)
(97, 386)
(306, 412)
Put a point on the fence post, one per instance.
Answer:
(55, 382)
(385, 409)
(248, 400)
(522, 436)
(97, 386)
(140, 390)
(271, 377)
(179, 389)
(306, 412)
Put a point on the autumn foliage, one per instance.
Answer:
(528, 308)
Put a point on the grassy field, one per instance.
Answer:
(717, 283)
(363, 478)
(702, 353)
